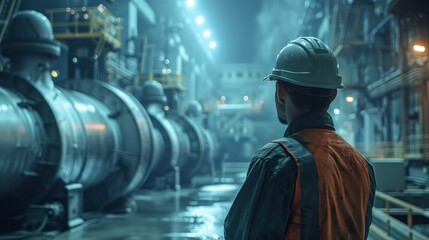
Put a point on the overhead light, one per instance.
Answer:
(100, 8)
(190, 3)
(213, 44)
(350, 99)
(336, 111)
(54, 73)
(200, 20)
(207, 34)
(419, 48)
(166, 70)
(246, 98)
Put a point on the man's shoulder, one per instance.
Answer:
(268, 150)
(274, 158)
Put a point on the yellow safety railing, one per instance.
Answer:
(86, 22)
(167, 79)
(410, 208)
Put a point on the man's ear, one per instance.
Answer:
(280, 92)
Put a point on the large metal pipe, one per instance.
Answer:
(189, 133)
(21, 141)
(168, 148)
(91, 133)
(90, 138)
(21, 151)
(128, 162)
(30, 159)
(187, 144)
(211, 149)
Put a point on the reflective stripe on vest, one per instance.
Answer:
(307, 173)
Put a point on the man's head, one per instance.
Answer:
(307, 78)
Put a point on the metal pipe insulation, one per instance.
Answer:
(91, 133)
(30, 157)
(21, 141)
(134, 151)
(166, 142)
(189, 133)
(90, 138)
(211, 147)
(21, 148)
(86, 132)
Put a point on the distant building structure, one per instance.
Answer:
(240, 79)
(382, 47)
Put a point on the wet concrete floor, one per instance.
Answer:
(191, 213)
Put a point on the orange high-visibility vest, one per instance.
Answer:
(334, 190)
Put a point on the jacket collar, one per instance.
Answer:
(310, 120)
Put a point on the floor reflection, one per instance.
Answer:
(194, 213)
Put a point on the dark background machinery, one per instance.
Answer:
(85, 136)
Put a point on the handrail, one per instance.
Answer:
(378, 232)
(167, 79)
(86, 22)
(410, 209)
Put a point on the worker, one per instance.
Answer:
(310, 184)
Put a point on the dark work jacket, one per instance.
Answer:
(311, 184)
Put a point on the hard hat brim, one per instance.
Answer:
(274, 77)
(303, 90)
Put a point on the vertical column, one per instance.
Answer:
(425, 118)
(405, 111)
(371, 116)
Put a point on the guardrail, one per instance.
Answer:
(86, 22)
(410, 209)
